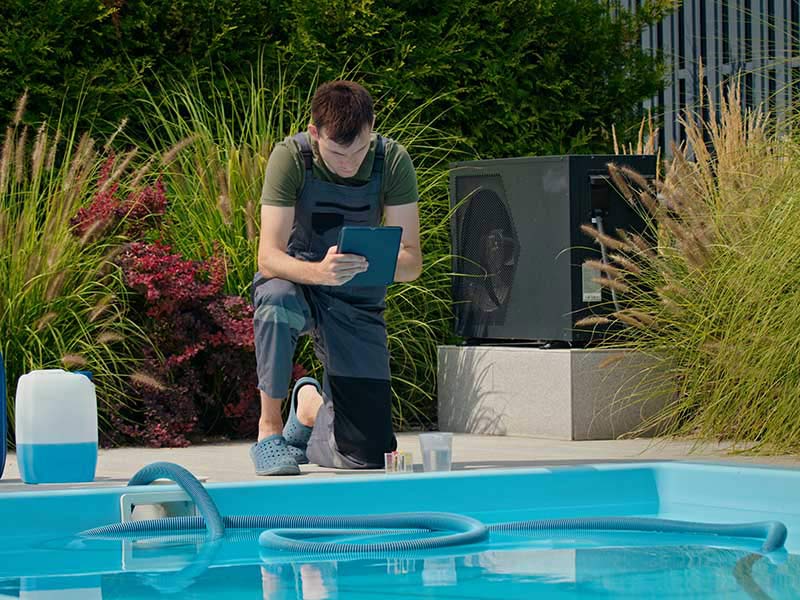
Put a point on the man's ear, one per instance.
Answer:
(313, 132)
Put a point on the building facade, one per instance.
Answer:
(758, 39)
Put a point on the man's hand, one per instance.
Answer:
(338, 269)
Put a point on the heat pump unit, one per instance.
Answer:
(518, 248)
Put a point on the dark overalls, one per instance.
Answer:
(354, 426)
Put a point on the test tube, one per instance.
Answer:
(406, 462)
(398, 462)
(390, 462)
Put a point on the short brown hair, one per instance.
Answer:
(342, 109)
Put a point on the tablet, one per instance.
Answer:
(379, 245)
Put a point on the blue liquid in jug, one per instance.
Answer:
(57, 463)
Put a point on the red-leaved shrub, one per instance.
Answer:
(139, 211)
(199, 377)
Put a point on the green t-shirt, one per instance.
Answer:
(285, 173)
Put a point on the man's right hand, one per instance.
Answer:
(338, 269)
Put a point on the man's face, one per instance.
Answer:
(342, 160)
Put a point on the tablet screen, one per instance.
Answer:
(379, 245)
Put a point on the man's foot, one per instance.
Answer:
(309, 401)
(297, 430)
(271, 456)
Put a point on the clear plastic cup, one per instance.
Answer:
(437, 451)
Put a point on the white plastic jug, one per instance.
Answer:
(56, 427)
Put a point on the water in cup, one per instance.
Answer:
(436, 459)
(436, 451)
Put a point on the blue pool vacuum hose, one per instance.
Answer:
(290, 533)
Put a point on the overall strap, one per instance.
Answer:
(305, 150)
(377, 165)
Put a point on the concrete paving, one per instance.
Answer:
(231, 462)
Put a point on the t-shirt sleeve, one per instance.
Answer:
(401, 177)
(283, 177)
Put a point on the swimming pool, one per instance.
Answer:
(41, 557)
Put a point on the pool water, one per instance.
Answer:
(606, 566)
(41, 557)
(681, 572)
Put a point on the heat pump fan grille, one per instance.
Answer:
(488, 249)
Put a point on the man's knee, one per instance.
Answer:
(279, 302)
(363, 418)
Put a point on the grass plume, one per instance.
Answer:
(58, 294)
(715, 294)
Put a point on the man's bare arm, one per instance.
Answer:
(409, 259)
(273, 261)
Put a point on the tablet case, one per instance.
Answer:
(379, 245)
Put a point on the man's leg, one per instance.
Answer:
(281, 314)
(354, 424)
(271, 421)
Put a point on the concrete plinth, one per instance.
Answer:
(565, 394)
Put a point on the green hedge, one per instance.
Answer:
(524, 78)
(520, 77)
(54, 48)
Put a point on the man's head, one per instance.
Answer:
(342, 118)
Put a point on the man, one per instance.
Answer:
(337, 173)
